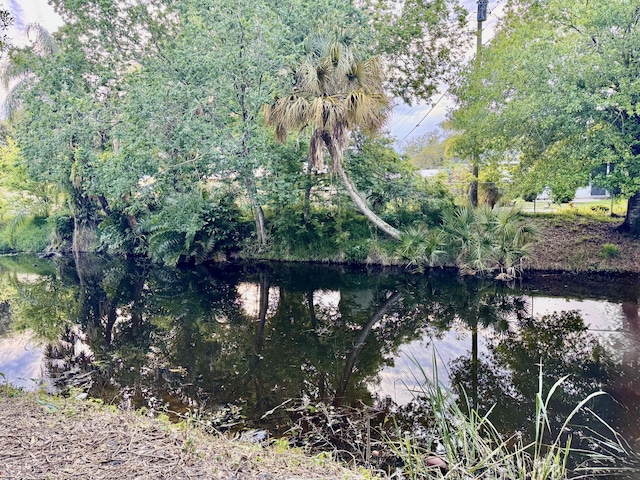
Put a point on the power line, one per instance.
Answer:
(401, 118)
(426, 114)
(436, 104)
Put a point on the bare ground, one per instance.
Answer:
(43, 437)
(578, 245)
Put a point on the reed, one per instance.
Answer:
(462, 445)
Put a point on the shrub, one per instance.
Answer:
(25, 233)
(475, 240)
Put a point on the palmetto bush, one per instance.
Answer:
(420, 247)
(477, 240)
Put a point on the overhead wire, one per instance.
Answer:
(441, 96)
(426, 114)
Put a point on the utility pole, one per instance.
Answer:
(473, 188)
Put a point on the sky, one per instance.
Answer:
(31, 11)
(406, 122)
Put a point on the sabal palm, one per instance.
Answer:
(17, 69)
(335, 91)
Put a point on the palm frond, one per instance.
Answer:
(334, 90)
(43, 42)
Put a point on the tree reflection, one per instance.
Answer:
(507, 375)
(625, 378)
(255, 336)
(145, 337)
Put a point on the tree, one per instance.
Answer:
(428, 150)
(18, 69)
(6, 20)
(335, 90)
(558, 90)
(191, 116)
(63, 124)
(422, 42)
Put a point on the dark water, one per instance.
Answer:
(244, 339)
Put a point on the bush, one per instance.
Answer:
(62, 226)
(477, 240)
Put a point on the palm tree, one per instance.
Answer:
(16, 72)
(335, 91)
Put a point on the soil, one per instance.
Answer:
(582, 244)
(44, 437)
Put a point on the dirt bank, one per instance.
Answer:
(582, 245)
(43, 437)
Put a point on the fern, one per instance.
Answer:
(19, 221)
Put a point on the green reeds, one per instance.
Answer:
(462, 445)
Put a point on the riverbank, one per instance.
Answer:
(54, 438)
(582, 244)
(565, 242)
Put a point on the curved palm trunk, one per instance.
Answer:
(338, 166)
(360, 342)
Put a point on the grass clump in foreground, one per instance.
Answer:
(467, 446)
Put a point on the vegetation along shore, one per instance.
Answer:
(202, 134)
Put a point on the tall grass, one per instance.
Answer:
(472, 448)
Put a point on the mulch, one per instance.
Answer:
(68, 439)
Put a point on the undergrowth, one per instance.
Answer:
(464, 445)
(25, 233)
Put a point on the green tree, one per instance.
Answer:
(558, 90)
(428, 150)
(20, 65)
(62, 126)
(422, 42)
(6, 20)
(336, 89)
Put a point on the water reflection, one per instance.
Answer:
(255, 336)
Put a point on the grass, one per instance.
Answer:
(596, 209)
(609, 250)
(471, 447)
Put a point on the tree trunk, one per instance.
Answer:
(258, 213)
(260, 229)
(473, 186)
(83, 210)
(632, 220)
(306, 209)
(84, 237)
(338, 165)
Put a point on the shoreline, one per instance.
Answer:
(45, 436)
(563, 246)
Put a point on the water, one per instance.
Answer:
(241, 340)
